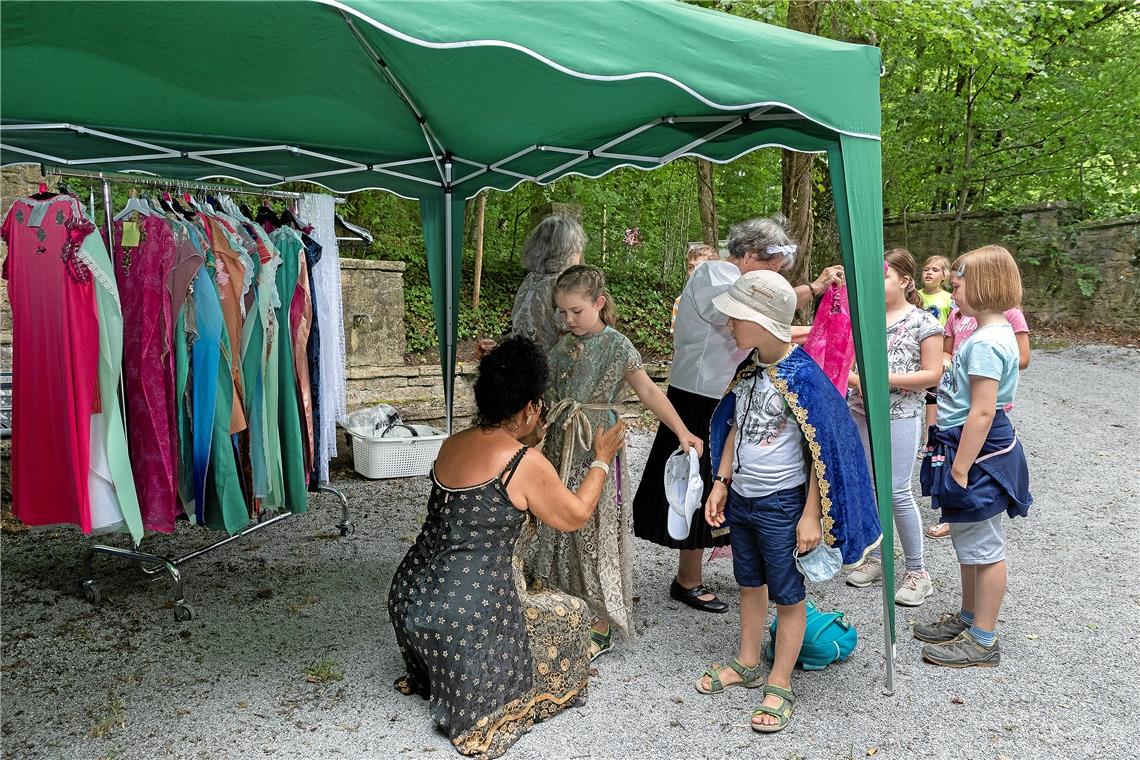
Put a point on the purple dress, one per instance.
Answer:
(143, 272)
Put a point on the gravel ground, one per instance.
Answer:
(292, 653)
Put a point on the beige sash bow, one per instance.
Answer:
(577, 430)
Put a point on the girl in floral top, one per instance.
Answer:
(914, 361)
(589, 367)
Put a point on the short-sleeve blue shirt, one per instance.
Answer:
(990, 352)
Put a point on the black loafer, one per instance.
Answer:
(692, 597)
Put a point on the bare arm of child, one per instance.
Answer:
(809, 531)
(947, 351)
(662, 409)
(931, 361)
(800, 334)
(718, 495)
(1022, 349)
(983, 407)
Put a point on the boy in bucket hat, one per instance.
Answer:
(790, 472)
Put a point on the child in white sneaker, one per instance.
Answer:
(914, 361)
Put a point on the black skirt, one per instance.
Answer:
(650, 508)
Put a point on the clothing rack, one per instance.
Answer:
(165, 182)
(147, 564)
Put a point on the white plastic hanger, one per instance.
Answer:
(134, 206)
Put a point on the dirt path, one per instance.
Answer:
(292, 653)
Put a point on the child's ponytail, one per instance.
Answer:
(900, 260)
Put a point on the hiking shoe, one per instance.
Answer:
(868, 571)
(915, 588)
(963, 651)
(946, 628)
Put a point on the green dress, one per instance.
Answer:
(288, 243)
(93, 252)
(595, 562)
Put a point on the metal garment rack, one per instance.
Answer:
(147, 564)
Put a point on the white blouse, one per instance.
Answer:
(704, 354)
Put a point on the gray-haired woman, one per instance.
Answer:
(551, 248)
(705, 359)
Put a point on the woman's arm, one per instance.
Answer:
(800, 334)
(662, 409)
(931, 372)
(805, 293)
(550, 500)
(983, 407)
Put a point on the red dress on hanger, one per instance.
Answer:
(55, 355)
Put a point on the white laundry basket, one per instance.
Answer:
(405, 457)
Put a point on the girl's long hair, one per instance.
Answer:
(900, 260)
(589, 282)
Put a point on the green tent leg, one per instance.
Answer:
(442, 219)
(856, 180)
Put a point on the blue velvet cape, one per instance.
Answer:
(847, 498)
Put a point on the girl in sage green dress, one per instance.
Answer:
(589, 367)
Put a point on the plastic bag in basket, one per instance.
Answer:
(372, 421)
(830, 342)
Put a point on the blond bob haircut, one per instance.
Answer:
(990, 278)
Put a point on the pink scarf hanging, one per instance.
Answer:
(830, 342)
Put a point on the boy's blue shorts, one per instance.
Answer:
(763, 536)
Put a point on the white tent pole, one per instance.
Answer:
(606, 146)
(435, 146)
(712, 135)
(448, 299)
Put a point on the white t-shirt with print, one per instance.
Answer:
(768, 454)
(904, 355)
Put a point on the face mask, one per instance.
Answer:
(820, 564)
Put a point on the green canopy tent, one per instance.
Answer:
(437, 101)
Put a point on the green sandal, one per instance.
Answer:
(603, 640)
(750, 678)
(783, 713)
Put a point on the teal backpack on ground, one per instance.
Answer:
(828, 638)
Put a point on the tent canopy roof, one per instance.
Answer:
(369, 94)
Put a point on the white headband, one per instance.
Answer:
(782, 249)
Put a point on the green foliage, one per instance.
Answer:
(1049, 250)
(1014, 102)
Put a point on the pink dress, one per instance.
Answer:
(55, 382)
(148, 368)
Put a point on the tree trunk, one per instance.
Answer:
(796, 168)
(967, 163)
(706, 199)
(603, 236)
(479, 214)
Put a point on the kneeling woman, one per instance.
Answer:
(491, 657)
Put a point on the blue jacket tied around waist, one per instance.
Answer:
(847, 498)
(998, 481)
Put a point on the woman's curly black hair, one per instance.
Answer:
(513, 373)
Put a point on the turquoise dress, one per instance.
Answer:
(296, 481)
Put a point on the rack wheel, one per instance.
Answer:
(347, 529)
(92, 593)
(184, 612)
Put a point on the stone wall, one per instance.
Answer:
(417, 390)
(373, 299)
(1054, 247)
